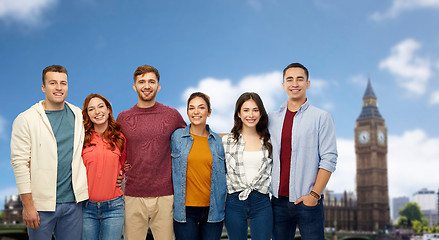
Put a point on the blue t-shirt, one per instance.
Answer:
(63, 127)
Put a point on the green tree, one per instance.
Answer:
(403, 222)
(425, 222)
(417, 226)
(412, 211)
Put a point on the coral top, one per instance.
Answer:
(103, 166)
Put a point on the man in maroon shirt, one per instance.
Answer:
(148, 126)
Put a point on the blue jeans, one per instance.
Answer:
(256, 208)
(287, 216)
(196, 225)
(103, 220)
(65, 223)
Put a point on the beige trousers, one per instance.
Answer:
(153, 212)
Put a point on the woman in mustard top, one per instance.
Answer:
(103, 155)
(198, 175)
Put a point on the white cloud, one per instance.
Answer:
(25, 11)
(434, 98)
(344, 176)
(412, 72)
(412, 161)
(399, 6)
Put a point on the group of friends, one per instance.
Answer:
(179, 180)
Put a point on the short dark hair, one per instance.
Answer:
(201, 95)
(296, 65)
(53, 68)
(146, 69)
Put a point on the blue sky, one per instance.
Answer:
(226, 47)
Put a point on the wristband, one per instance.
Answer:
(314, 194)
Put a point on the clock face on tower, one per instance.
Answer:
(363, 137)
(381, 137)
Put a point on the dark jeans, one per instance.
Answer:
(287, 216)
(257, 209)
(196, 226)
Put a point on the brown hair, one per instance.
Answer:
(261, 127)
(201, 95)
(146, 69)
(113, 132)
(53, 68)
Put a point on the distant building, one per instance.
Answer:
(13, 212)
(397, 204)
(341, 211)
(426, 199)
(333, 196)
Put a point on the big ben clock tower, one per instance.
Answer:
(371, 153)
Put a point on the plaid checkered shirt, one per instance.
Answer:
(235, 171)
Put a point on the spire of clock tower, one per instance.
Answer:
(370, 105)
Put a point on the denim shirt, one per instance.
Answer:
(181, 144)
(313, 146)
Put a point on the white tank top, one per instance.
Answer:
(252, 163)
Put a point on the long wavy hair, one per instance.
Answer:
(261, 127)
(113, 132)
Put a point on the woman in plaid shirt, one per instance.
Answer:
(248, 168)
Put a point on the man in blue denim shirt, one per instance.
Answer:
(304, 157)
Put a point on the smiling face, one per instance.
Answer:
(249, 114)
(55, 87)
(146, 86)
(98, 113)
(198, 111)
(295, 84)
